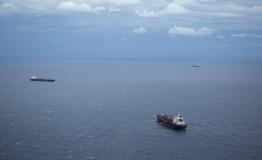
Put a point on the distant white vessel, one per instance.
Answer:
(195, 65)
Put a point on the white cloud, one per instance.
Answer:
(78, 7)
(204, 9)
(146, 13)
(7, 8)
(140, 29)
(115, 2)
(187, 31)
(171, 8)
(174, 8)
(123, 2)
(226, 15)
(113, 9)
(246, 35)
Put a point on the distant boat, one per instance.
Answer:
(176, 122)
(34, 78)
(196, 65)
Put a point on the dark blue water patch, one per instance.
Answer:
(106, 110)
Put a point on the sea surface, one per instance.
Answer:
(105, 109)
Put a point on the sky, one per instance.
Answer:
(130, 28)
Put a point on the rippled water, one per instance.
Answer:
(105, 109)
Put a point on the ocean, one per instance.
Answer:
(106, 109)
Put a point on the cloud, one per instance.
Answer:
(78, 7)
(119, 3)
(187, 31)
(140, 29)
(226, 15)
(204, 9)
(171, 8)
(113, 9)
(246, 35)
(122, 2)
(7, 8)
(174, 8)
(146, 13)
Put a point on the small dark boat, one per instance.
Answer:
(34, 78)
(172, 121)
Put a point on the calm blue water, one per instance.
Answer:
(105, 109)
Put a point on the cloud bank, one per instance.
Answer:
(78, 7)
(246, 35)
(188, 31)
(159, 16)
